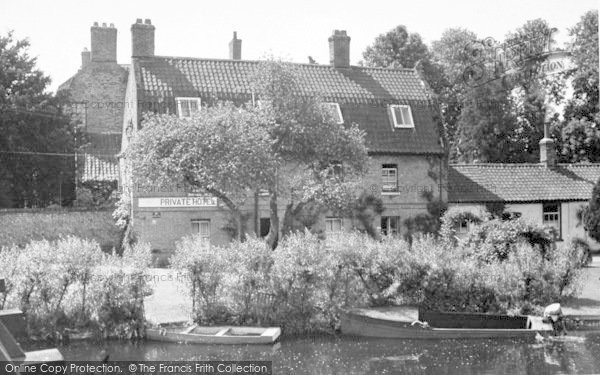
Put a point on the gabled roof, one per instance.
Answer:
(363, 94)
(521, 182)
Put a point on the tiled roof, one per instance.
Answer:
(363, 94)
(100, 168)
(520, 182)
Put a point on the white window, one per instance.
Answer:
(186, 107)
(390, 225)
(201, 228)
(389, 178)
(402, 116)
(335, 111)
(551, 216)
(333, 225)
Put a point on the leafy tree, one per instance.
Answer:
(37, 139)
(452, 53)
(321, 161)
(222, 150)
(396, 49)
(486, 126)
(288, 144)
(580, 131)
(532, 91)
(591, 214)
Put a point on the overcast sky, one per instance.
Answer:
(59, 30)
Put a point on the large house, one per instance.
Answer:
(393, 106)
(547, 193)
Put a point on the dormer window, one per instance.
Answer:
(186, 107)
(335, 111)
(402, 116)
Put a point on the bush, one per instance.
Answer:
(582, 251)
(70, 283)
(305, 284)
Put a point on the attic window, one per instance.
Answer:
(186, 107)
(336, 112)
(402, 116)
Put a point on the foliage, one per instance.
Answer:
(20, 228)
(579, 133)
(396, 49)
(96, 194)
(223, 150)
(591, 214)
(310, 143)
(581, 250)
(307, 282)
(70, 283)
(455, 216)
(32, 121)
(494, 240)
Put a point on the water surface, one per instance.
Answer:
(347, 355)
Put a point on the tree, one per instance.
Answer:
(321, 162)
(396, 49)
(37, 139)
(591, 214)
(287, 144)
(532, 91)
(452, 53)
(222, 150)
(580, 130)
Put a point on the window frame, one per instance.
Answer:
(199, 222)
(557, 213)
(333, 219)
(389, 167)
(338, 110)
(388, 221)
(402, 125)
(181, 99)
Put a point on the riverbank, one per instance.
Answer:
(170, 302)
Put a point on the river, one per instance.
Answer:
(347, 355)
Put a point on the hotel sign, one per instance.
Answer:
(177, 202)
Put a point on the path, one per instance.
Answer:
(169, 303)
(588, 302)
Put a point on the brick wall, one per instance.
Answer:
(101, 87)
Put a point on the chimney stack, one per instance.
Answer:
(235, 48)
(547, 149)
(86, 57)
(103, 43)
(142, 38)
(339, 49)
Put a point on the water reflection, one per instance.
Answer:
(328, 355)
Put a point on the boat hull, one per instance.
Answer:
(358, 323)
(217, 335)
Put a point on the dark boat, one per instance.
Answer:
(409, 322)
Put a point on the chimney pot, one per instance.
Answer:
(147, 21)
(112, 25)
(96, 24)
(142, 38)
(339, 49)
(235, 48)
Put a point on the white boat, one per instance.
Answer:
(215, 335)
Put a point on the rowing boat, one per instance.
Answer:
(215, 335)
(409, 322)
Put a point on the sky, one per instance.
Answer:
(58, 30)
